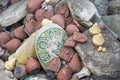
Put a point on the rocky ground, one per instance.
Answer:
(78, 58)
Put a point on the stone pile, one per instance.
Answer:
(50, 40)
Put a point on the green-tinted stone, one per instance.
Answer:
(49, 42)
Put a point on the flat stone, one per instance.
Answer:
(101, 64)
(113, 22)
(81, 10)
(114, 7)
(13, 14)
(102, 6)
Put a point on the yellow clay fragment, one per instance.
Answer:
(104, 50)
(10, 65)
(45, 21)
(94, 30)
(98, 40)
(100, 49)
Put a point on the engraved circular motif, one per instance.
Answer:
(49, 42)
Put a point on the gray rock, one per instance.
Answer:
(101, 64)
(102, 6)
(80, 11)
(113, 22)
(13, 14)
(114, 7)
(6, 75)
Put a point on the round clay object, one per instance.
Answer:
(19, 33)
(33, 66)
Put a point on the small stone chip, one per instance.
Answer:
(54, 64)
(79, 37)
(66, 54)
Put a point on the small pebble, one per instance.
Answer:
(20, 71)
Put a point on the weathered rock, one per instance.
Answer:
(81, 10)
(99, 63)
(3, 5)
(102, 6)
(113, 22)
(13, 14)
(6, 75)
(114, 7)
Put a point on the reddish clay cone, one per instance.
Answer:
(33, 5)
(69, 42)
(39, 14)
(75, 63)
(19, 33)
(64, 74)
(58, 19)
(70, 29)
(33, 66)
(30, 27)
(48, 14)
(13, 45)
(4, 38)
(66, 54)
(79, 37)
(54, 64)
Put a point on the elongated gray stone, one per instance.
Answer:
(13, 13)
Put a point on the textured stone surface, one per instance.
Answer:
(114, 7)
(13, 14)
(101, 5)
(6, 75)
(113, 22)
(80, 11)
(101, 64)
